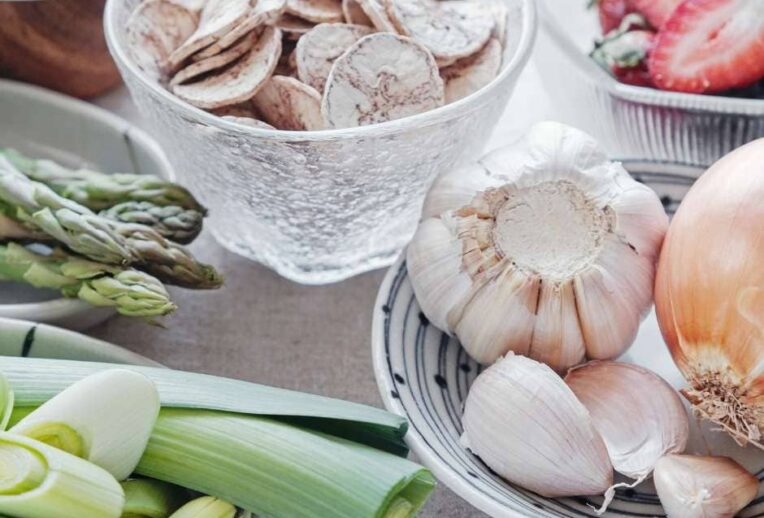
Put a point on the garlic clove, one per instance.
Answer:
(640, 417)
(525, 423)
(640, 221)
(456, 189)
(500, 316)
(703, 487)
(557, 339)
(434, 262)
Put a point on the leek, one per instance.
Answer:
(6, 402)
(147, 498)
(36, 380)
(39, 481)
(105, 418)
(206, 507)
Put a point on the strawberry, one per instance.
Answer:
(624, 53)
(611, 12)
(709, 46)
(656, 11)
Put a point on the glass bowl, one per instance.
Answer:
(633, 121)
(319, 207)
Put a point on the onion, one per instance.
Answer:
(710, 293)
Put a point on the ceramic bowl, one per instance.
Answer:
(632, 121)
(319, 206)
(45, 124)
(424, 375)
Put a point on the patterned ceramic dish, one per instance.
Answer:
(319, 206)
(424, 375)
(633, 121)
(43, 123)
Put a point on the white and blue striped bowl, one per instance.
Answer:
(424, 375)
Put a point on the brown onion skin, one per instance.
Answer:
(709, 290)
(58, 44)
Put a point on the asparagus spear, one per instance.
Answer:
(98, 191)
(98, 238)
(172, 222)
(131, 292)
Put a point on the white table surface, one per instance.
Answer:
(263, 328)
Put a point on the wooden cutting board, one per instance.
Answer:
(58, 44)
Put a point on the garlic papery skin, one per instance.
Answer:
(709, 293)
(703, 487)
(638, 414)
(105, 418)
(525, 423)
(543, 248)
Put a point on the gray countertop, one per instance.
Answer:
(263, 328)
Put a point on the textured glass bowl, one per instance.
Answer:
(633, 121)
(319, 207)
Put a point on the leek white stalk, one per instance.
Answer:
(39, 481)
(6, 402)
(709, 293)
(105, 418)
(527, 425)
(206, 507)
(544, 248)
(147, 498)
(703, 487)
(640, 417)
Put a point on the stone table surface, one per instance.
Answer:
(263, 328)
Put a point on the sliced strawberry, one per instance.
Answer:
(611, 13)
(637, 76)
(709, 46)
(656, 11)
(625, 54)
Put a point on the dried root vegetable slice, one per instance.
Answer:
(320, 47)
(354, 13)
(375, 10)
(316, 11)
(263, 13)
(218, 18)
(500, 12)
(468, 75)
(249, 121)
(450, 29)
(382, 77)
(243, 110)
(293, 27)
(155, 29)
(288, 104)
(239, 82)
(191, 5)
(212, 63)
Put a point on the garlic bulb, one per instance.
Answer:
(703, 487)
(639, 415)
(709, 292)
(527, 425)
(544, 248)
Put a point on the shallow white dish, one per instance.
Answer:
(46, 124)
(424, 375)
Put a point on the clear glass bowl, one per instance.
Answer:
(319, 207)
(633, 121)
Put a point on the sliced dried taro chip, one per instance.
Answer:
(354, 13)
(317, 50)
(248, 121)
(316, 11)
(382, 77)
(203, 66)
(264, 12)
(500, 12)
(243, 110)
(192, 5)
(449, 29)
(289, 104)
(240, 81)
(468, 75)
(293, 27)
(375, 10)
(218, 18)
(154, 30)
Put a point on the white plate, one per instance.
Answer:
(46, 124)
(424, 375)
